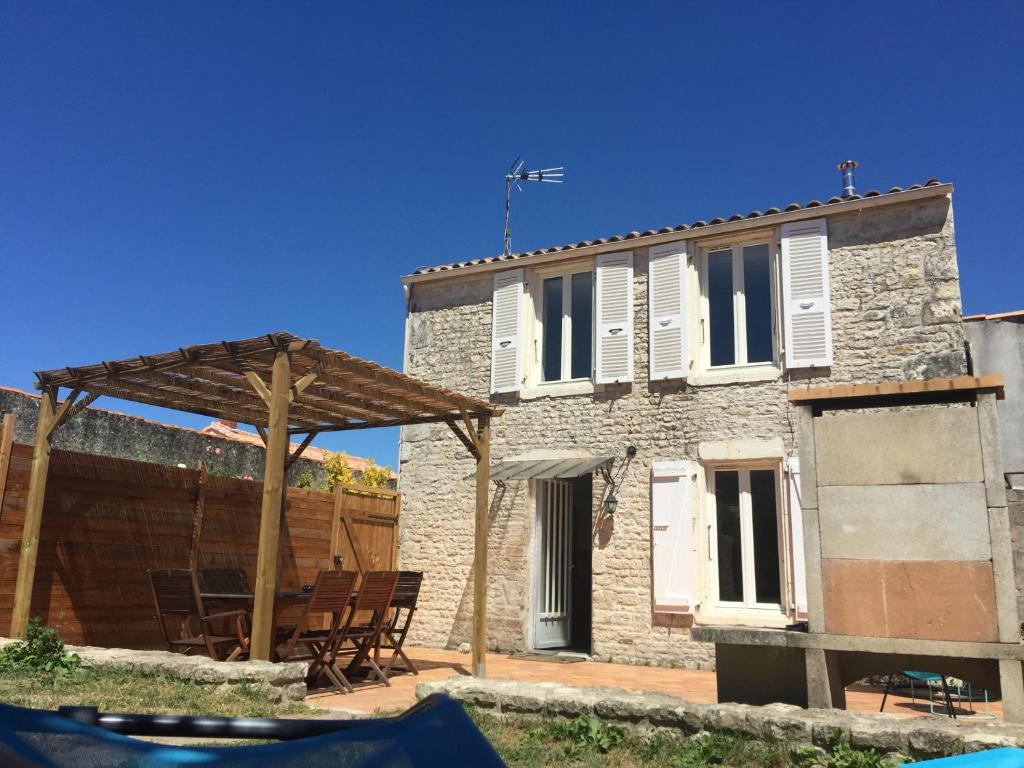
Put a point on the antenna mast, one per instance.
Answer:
(514, 176)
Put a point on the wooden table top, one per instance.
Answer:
(285, 594)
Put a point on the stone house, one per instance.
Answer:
(645, 463)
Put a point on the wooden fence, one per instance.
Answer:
(106, 520)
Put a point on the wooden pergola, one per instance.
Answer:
(283, 386)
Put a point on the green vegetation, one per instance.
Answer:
(589, 743)
(122, 691)
(42, 651)
(338, 471)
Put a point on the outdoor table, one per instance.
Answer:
(283, 599)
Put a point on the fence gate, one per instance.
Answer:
(364, 534)
(553, 564)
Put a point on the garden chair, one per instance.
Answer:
(232, 581)
(392, 636)
(176, 597)
(331, 594)
(374, 596)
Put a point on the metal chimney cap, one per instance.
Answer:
(846, 164)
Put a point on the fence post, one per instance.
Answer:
(197, 516)
(6, 444)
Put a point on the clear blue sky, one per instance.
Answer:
(175, 173)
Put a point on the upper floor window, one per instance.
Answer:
(566, 331)
(738, 291)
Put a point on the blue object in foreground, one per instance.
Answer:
(436, 732)
(1005, 757)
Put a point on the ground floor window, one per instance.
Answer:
(745, 537)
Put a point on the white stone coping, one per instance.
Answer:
(920, 737)
(281, 680)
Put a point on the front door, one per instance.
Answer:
(553, 564)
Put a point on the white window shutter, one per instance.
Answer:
(614, 318)
(806, 295)
(673, 538)
(796, 538)
(506, 331)
(666, 291)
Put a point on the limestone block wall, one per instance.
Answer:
(896, 314)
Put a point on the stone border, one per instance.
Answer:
(279, 681)
(891, 735)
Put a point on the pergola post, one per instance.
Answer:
(33, 514)
(483, 482)
(270, 514)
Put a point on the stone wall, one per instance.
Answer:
(896, 314)
(997, 346)
(897, 739)
(1015, 502)
(106, 433)
(277, 681)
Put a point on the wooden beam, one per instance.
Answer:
(6, 444)
(469, 442)
(80, 406)
(33, 515)
(483, 482)
(262, 645)
(191, 382)
(175, 401)
(62, 411)
(469, 428)
(298, 451)
(262, 433)
(197, 517)
(257, 383)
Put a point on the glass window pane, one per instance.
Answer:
(582, 324)
(767, 581)
(551, 344)
(722, 331)
(757, 288)
(730, 557)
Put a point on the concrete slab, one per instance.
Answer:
(928, 445)
(904, 522)
(919, 600)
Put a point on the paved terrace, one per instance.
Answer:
(692, 685)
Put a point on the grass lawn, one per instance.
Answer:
(143, 694)
(589, 744)
(586, 742)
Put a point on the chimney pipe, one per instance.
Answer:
(846, 168)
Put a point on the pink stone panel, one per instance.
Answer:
(915, 599)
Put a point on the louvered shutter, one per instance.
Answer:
(796, 538)
(673, 538)
(667, 312)
(614, 318)
(506, 331)
(806, 294)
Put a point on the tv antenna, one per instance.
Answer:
(515, 175)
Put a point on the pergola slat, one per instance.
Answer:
(302, 388)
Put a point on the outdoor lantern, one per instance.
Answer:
(610, 503)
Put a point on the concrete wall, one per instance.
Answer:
(896, 315)
(997, 346)
(129, 437)
(909, 529)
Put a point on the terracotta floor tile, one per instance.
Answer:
(693, 685)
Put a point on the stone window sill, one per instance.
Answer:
(751, 617)
(746, 374)
(557, 389)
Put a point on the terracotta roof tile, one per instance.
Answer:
(933, 182)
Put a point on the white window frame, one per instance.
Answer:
(535, 384)
(739, 370)
(715, 606)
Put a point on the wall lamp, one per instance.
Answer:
(611, 503)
